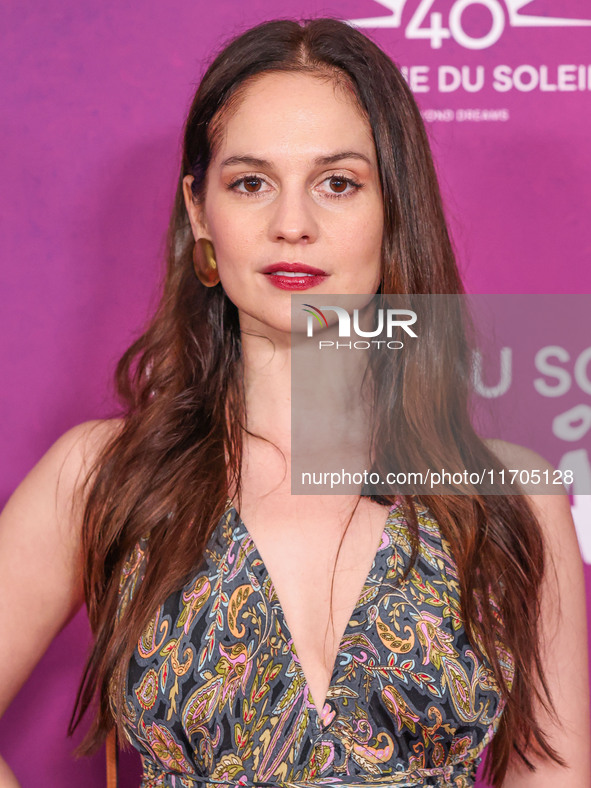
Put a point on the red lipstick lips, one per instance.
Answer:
(294, 276)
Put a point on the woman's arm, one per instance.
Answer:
(564, 653)
(41, 579)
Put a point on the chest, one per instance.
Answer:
(318, 563)
(217, 682)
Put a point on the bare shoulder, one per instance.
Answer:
(554, 515)
(46, 502)
(74, 453)
(514, 455)
(563, 635)
(82, 443)
(58, 477)
(41, 558)
(551, 504)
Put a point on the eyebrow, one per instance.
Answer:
(252, 161)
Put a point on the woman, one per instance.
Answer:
(420, 628)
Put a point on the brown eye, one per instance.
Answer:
(252, 182)
(336, 180)
(250, 185)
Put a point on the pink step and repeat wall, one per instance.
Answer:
(94, 95)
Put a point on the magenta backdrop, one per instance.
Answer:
(94, 95)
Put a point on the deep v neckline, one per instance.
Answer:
(320, 716)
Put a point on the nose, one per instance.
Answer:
(293, 217)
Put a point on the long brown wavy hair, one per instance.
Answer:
(167, 470)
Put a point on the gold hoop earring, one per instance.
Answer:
(204, 263)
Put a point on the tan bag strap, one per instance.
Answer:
(112, 757)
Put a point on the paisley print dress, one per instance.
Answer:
(215, 694)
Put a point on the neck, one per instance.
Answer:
(325, 394)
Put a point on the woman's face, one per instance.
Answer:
(294, 180)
